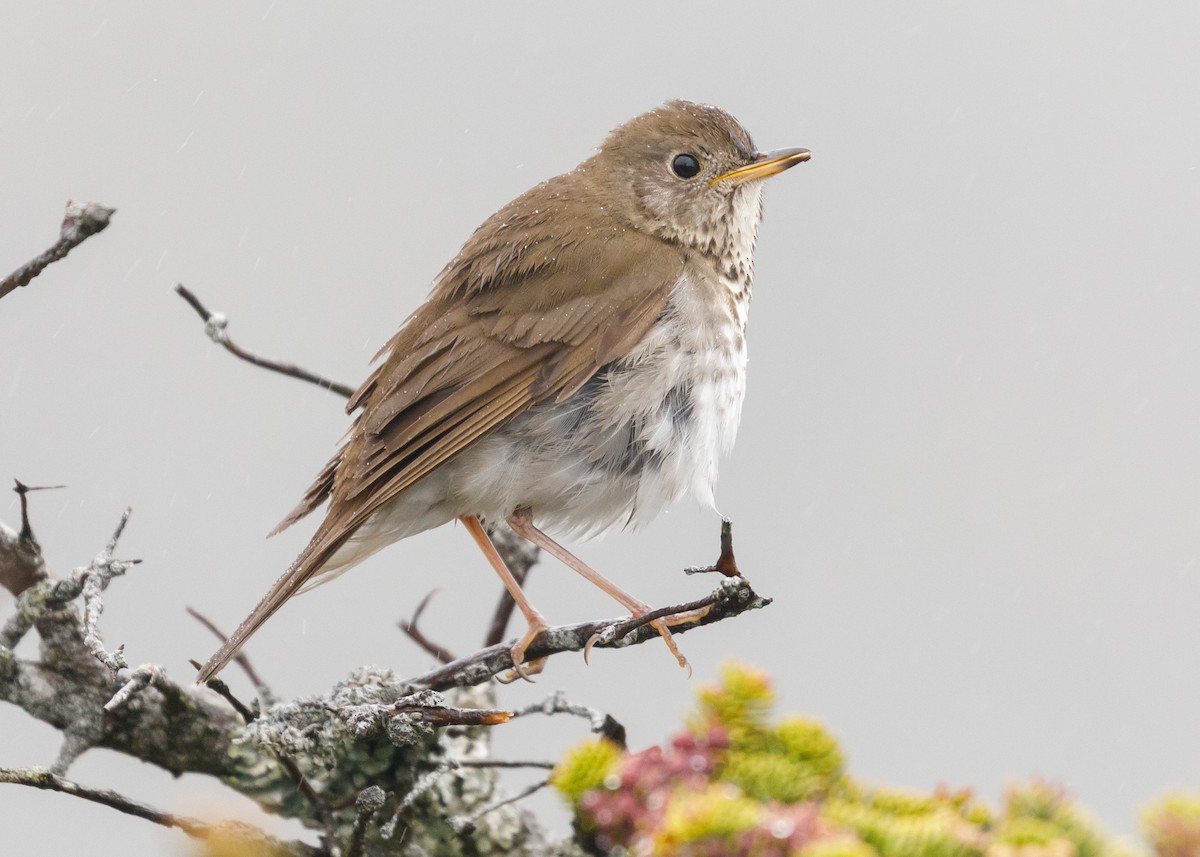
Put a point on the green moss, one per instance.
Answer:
(770, 776)
(717, 813)
(1041, 801)
(1028, 831)
(1172, 826)
(841, 846)
(809, 742)
(585, 767)
(940, 832)
(791, 762)
(739, 703)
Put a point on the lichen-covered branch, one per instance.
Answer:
(732, 597)
(421, 743)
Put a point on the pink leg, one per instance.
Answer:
(536, 621)
(521, 522)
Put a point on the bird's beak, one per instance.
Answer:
(767, 164)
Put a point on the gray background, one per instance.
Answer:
(968, 468)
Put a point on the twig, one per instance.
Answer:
(604, 725)
(463, 825)
(241, 659)
(47, 595)
(505, 763)
(21, 563)
(142, 677)
(222, 689)
(94, 579)
(423, 784)
(726, 564)
(443, 715)
(732, 597)
(81, 221)
(214, 326)
(368, 803)
(40, 778)
(414, 633)
(305, 788)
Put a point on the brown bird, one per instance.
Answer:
(579, 364)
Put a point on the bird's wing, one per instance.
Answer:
(479, 364)
(477, 354)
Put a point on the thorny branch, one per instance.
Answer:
(215, 325)
(81, 221)
(21, 563)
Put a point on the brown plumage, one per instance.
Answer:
(559, 285)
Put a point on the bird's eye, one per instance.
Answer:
(685, 166)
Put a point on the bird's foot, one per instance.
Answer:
(521, 669)
(663, 625)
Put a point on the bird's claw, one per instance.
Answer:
(520, 669)
(663, 626)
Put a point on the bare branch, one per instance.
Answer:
(505, 763)
(241, 659)
(40, 778)
(81, 221)
(731, 598)
(222, 689)
(214, 326)
(604, 725)
(466, 824)
(415, 634)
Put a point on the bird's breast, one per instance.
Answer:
(644, 430)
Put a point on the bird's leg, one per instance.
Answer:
(537, 623)
(521, 522)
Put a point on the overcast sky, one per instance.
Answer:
(968, 468)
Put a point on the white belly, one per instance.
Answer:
(635, 438)
(640, 434)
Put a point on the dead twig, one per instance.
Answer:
(726, 564)
(222, 690)
(81, 221)
(604, 725)
(465, 824)
(40, 778)
(241, 659)
(21, 563)
(415, 634)
(215, 324)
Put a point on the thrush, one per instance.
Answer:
(579, 364)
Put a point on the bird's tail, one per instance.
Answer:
(307, 565)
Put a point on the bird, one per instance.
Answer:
(578, 365)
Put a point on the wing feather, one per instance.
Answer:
(509, 325)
